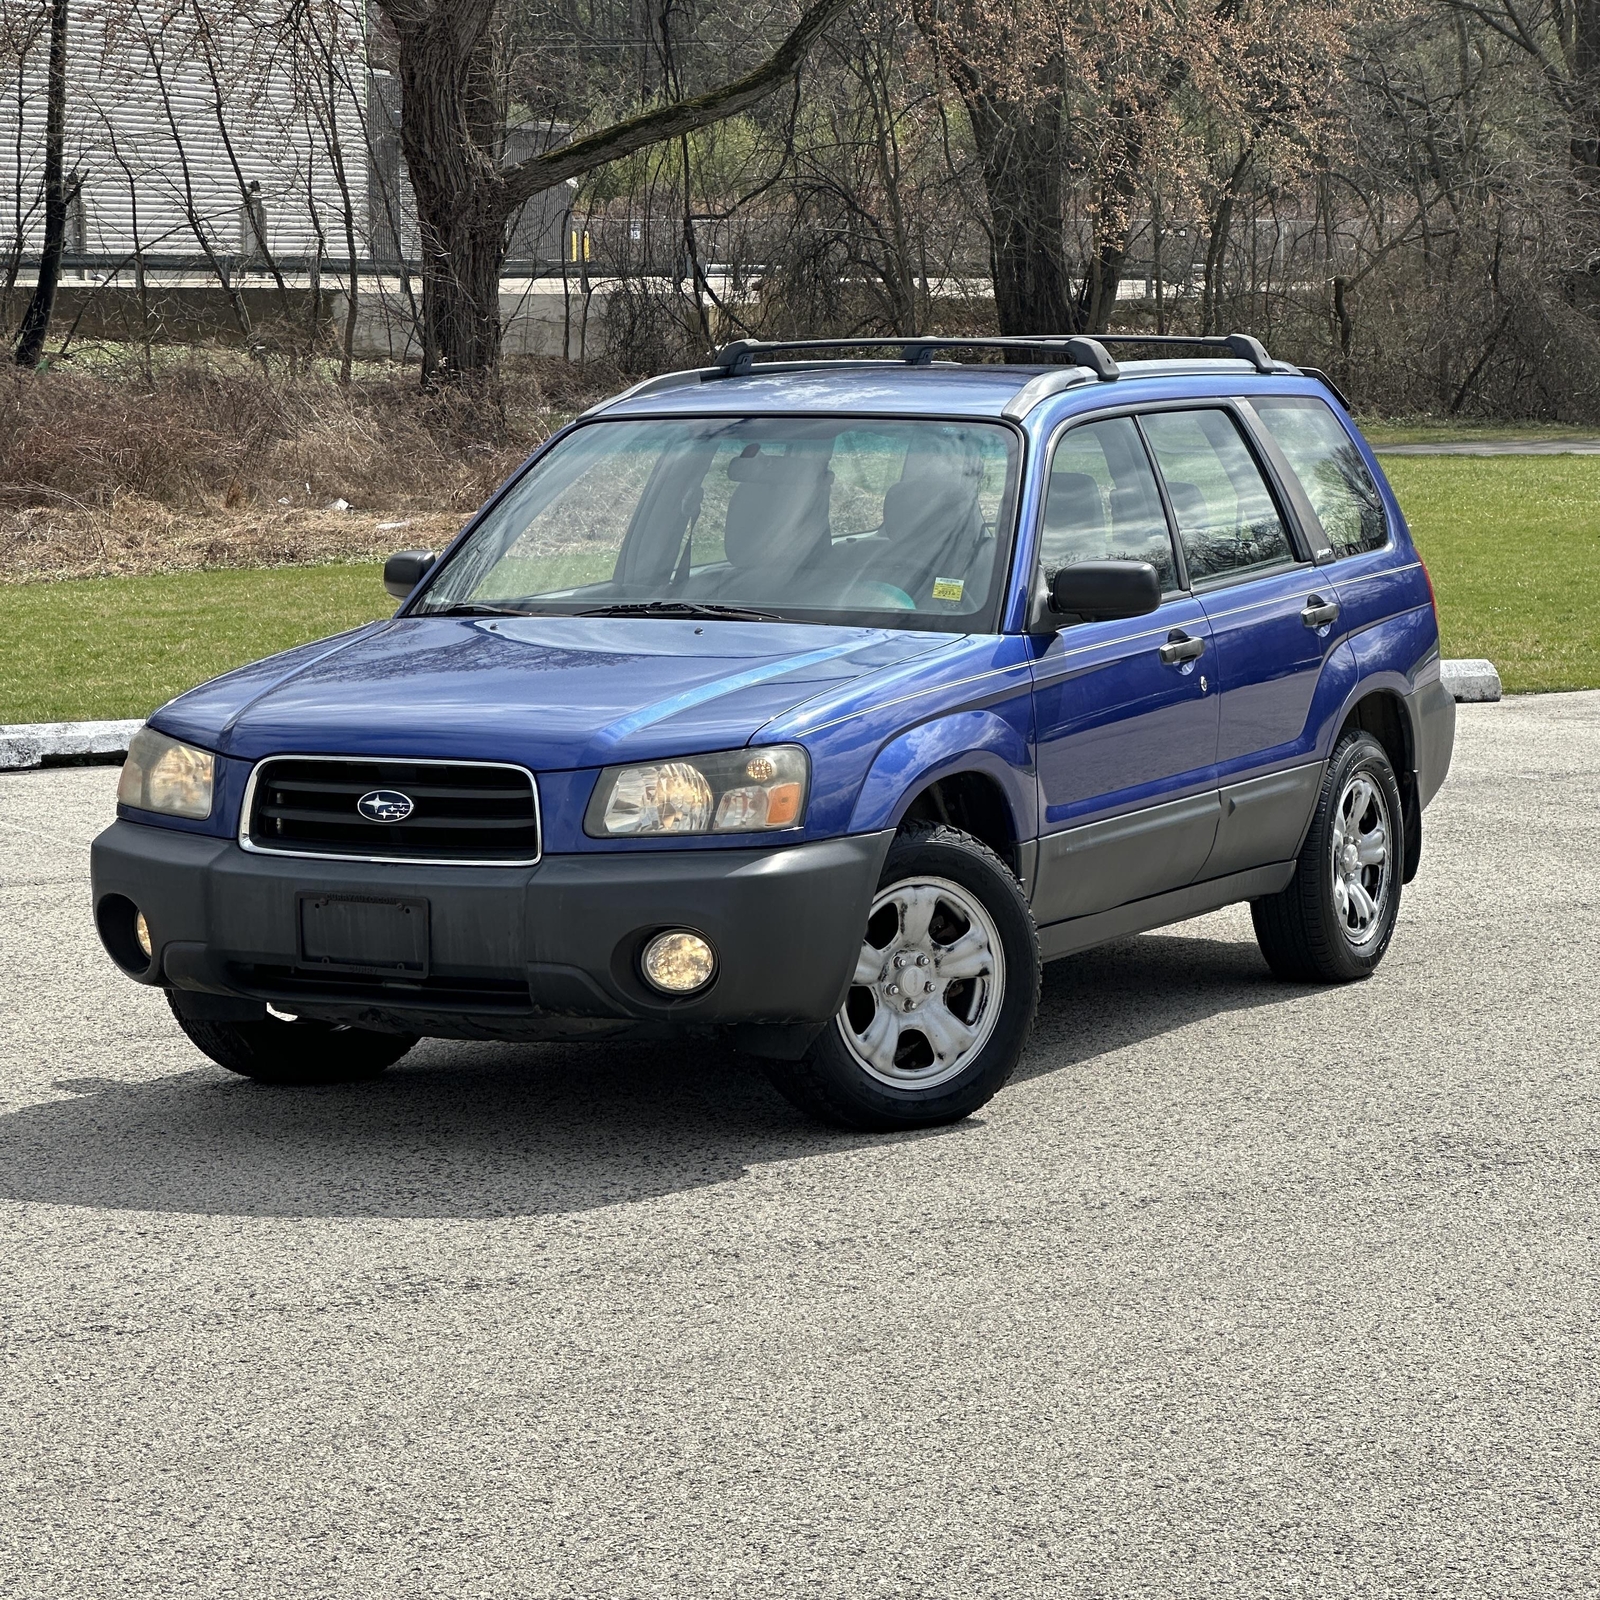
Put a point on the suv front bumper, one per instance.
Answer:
(549, 951)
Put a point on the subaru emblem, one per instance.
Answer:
(385, 805)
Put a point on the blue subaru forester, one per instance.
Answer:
(813, 699)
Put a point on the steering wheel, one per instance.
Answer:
(886, 595)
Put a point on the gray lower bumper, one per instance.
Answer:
(545, 951)
(1433, 714)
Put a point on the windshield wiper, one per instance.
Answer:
(681, 608)
(477, 608)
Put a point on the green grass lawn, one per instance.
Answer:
(1381, 431)
(1512, 542)
(119, 647)
(1513, 546)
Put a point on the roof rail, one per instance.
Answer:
(665, 380)
(737, 359)
(1328, 384)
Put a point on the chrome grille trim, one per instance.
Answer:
(247, 811)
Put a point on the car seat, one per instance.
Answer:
(1203, 546)
(776, 526)
(1075, 527)
(932, 526)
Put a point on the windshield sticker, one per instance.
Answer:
(948, 588)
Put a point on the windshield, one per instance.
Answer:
(880, 523)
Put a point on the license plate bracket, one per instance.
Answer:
(379, 936)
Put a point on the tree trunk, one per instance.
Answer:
(1217, 245)
(36, 319)
(1019, 148)
(461, 259)
(1102, 278)
(1216, 252)
(449, 124)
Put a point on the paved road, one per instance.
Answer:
(1497, 447)
(1240, 1289)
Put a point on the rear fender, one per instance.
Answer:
(1400, 655)
(1336, 687)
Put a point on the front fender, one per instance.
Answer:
(996, 741)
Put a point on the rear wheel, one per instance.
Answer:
(1334, 921)
(295, 1052)
(944, 992)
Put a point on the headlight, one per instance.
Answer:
(738, 791)
(161, 774)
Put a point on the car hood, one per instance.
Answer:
(546, 692)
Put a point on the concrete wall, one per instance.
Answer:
(535, 316)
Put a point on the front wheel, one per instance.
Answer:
(943, 995)
(294, 1052)
(1334, 921)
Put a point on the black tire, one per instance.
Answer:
(994, 1008)
(297, 1054)
(1311, 932)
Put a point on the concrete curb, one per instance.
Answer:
(1470, 680)
(31, 744)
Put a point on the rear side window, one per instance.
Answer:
(1330, 469)
(1102, 504)
(1227, 518)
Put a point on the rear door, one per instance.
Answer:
(1126, 712)
(1343, 509)
(1271, 614)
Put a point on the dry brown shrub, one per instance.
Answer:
(214, 463)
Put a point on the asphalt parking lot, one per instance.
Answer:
(1239, 1289)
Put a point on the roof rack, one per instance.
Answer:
(1242, 345)
(1087, 358)
(737, 359)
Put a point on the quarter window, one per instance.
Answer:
(1330, 469)
(1102, 504)
(1227, 518)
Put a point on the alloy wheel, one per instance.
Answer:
(927, 987)
(1361, 859)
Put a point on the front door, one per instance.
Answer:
(1126, 712)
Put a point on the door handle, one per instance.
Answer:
(1319, 612)
(1180, 647)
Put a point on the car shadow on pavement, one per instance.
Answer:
(482, 1131)
(1136, 989)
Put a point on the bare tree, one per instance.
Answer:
(452, 120)
(36, 319)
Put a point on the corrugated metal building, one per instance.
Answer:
(237, 131)
(212, 129)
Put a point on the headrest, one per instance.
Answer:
(1072, 503)
(934, 498)
(1189, 505)
(778, 511)
(755, 465)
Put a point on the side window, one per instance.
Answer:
(1226, 516)
(1102, 504)
(1330, 468)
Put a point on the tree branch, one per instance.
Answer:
(539, 172)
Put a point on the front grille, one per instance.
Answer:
(461, 811)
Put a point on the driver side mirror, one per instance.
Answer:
(1105, 590)
(403, 572)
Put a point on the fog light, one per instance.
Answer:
(679, 962)
(141, 932)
